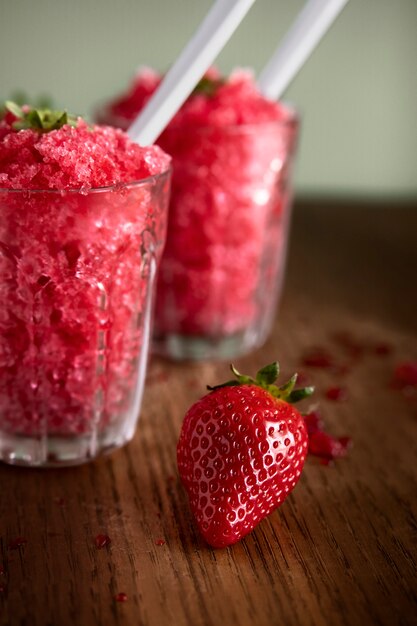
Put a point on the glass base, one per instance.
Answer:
(58, 451)
(197, 348)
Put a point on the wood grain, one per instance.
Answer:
(341, 551)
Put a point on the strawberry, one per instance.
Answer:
(240, 453)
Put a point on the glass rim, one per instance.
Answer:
(291, 118)
(88, 190)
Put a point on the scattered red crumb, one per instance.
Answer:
(120, 597)
(352, 346)
(102, 541)
(160, 542)
(318, 357)
(356, 347)
(345, 441)
(14, 544)
(383, 349)
(405, 375)
(3, 588)
(341, 369)
(326, 462)
(313, 422)
(322, 444)
(326, 446)
(1, 570)
(337, 394)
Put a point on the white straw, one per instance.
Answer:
(214, 32)
(308, 29)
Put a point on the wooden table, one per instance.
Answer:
(340, 551)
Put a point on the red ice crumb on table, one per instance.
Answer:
(313, 421)
(351, 345)
(337, 394)
(14, 544)
(318, 357)
(383, 349)
(102, 541)
(405, 375)
(160, 542)
(322, 444)
(356, 347)
(120, 597)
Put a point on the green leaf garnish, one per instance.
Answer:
(207, 86)
(14, 108)
(42, 120)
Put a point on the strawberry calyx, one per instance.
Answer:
(207, 86)
(41, 120)
(266, 378)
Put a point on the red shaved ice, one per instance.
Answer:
(223, 264)
(83, 218)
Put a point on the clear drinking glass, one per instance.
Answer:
(223, 265)
(77, 273)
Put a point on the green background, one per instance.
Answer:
(357, 94)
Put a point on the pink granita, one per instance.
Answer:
(83, 218)
(223, 263)
(125, 108)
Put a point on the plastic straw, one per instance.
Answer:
(307, 31)
(214, 32)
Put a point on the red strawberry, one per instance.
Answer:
(240, 453)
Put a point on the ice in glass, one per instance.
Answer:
(223, 264)
(82, 226)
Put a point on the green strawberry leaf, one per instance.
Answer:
(207, 86)
(229, 383)
(42, 120)
(242, 379)
(14, 108)
(265, 379)
(34, 119)
(268, 374)
(299, 394)
(286, 389)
